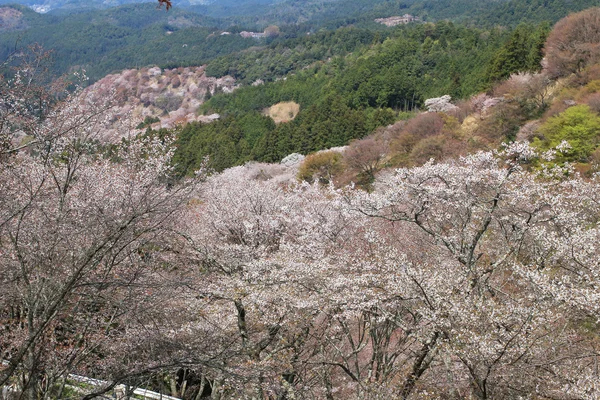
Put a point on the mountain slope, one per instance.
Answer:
(62, 6)
(125, 37)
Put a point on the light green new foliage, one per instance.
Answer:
(578, 125)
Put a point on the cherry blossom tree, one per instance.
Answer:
(476, 224)
(442, 281)
(567, 271)
(254, 246)
(77, 235)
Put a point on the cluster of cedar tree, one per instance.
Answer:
(349, 82)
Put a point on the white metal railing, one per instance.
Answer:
(145, 393)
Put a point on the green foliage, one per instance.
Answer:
(236, 139)
(147, 122)
(103, 41)
(342, 99)
(283, 57)
(577, 125)
(229, 142)
(523, 52)
(329, 123)
(419, 62)
(321, 166)
(304, 88)
(491, 13)
(312, 15)
(514, 12)
(413, 63)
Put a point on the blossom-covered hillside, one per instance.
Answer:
(157, 98)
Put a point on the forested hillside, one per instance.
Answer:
(346, 82)
(336, 13)
(131, 36)
(346, 97)
(135, 35)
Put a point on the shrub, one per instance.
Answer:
(149, 120)
(426, 149)
(579, 126)
(404, 139)
(321, 166)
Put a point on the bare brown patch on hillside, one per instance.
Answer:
(283, 112)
